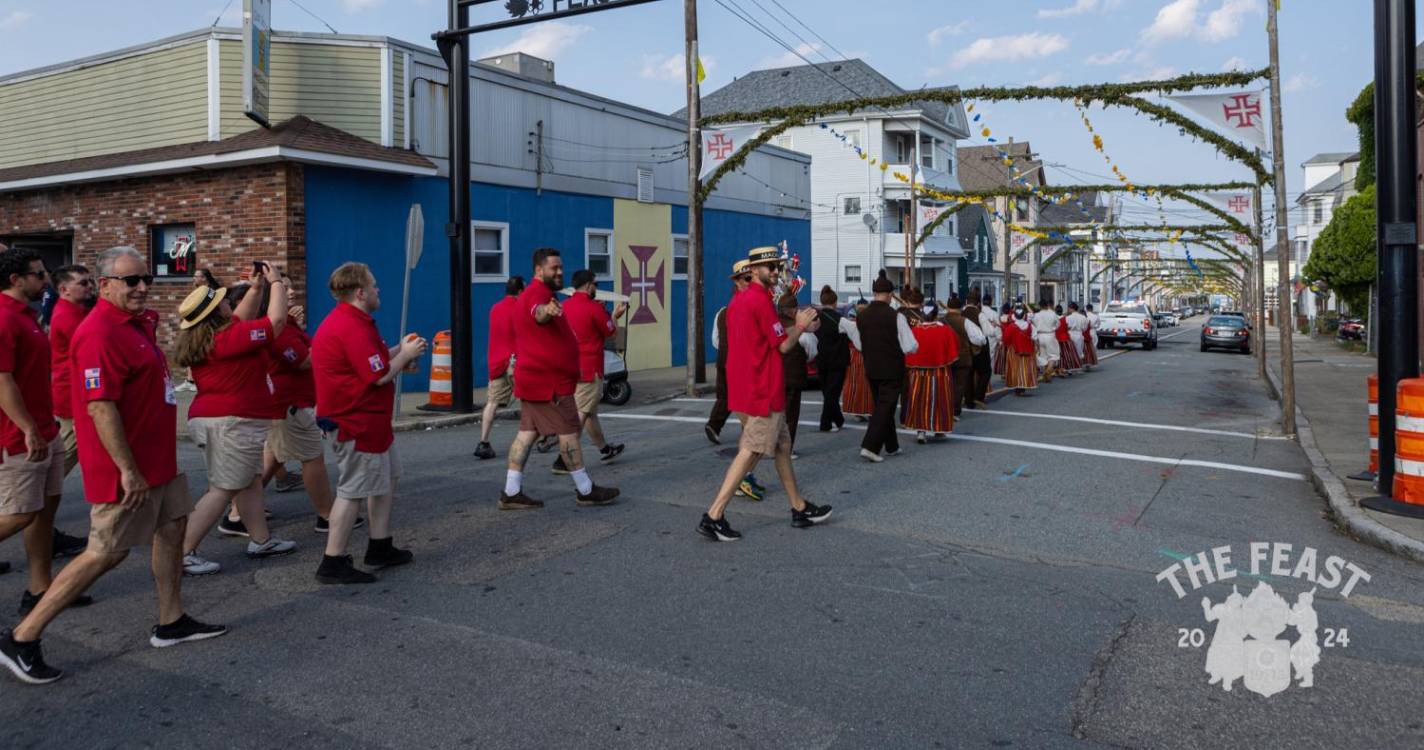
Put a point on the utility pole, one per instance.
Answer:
(1259, 282)
(456, 51)
(914, 218)
(1278, 159)
(696, 367)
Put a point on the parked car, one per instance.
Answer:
(1129, 322)
(1351, 329)
(1237, 314)
(1226, 332)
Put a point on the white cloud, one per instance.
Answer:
(1050, 79)
(1179, 20)
(15, 19)
(1109, 58)
(356, 6)
(1175, 20)
(940, 34)
(1225, 22)
(671, 67)
(1300, 82)
(1235, 63)
(787, 60)
(546, 40)
(1078, 8)
(1009, 48)
(1158, 73)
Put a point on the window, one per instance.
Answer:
(173, 249)
(949, 161)
(903, 150)
(852, 205)
(853, 137)
(927, 152)
(852, 274)
(598, 252)
(784, 141)
(679, 256)
(1319, 213)
(491, 248)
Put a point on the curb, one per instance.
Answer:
(703, 389)
(1344, 512)
(451, 420)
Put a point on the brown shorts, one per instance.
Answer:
(114, 528)
(557, 417)
(587, 395)
(500, 391)
(24, 485)
(765, 435)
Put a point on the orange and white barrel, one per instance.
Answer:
(1374, 423)
(441, 392)
(1409, 442)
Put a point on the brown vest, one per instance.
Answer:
(880, 342)
(955, 320)
(722, 339)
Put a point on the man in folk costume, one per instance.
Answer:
(794, 362)
(1045, 328)
(984, 318)
(885, 339)
(1020, 367)
(1090, 338)
(832, 360)
(741, 277)
(1077, 333)
(1001, 354)
(1069, 359)
(969, 338)
(930, 398)
(855, 396)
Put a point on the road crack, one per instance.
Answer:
(1085, 705)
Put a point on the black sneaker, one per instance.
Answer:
(810, 515)
(323, 526)
(28, 601)
(597, 496)
(610, 451)
(68, 546)
(4, 568)
(182, 630)
(484, 451)
(518, 501)
(383, 553)
(712, 434)
(341, 570)
(229, 527)
(559, 467)
(26, 661)
(718, 530)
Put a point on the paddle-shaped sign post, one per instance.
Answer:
(414, 244)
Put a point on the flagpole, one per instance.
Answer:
(1286, 323)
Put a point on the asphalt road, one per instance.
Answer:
(997, 589)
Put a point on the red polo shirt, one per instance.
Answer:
(546, 356)
(348, 357)
(24, 353)
(755, 381)
(291, 385)
(62, 323)
(591, 326)
(501, 336)
(232, 381)
(114, 357)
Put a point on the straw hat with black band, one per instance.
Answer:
(199, 304)
(740, 268)
(762, 256)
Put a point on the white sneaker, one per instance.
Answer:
(874, 458)
(273, 546)
(197, 566)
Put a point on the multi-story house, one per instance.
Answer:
(983, 169)
(1067, 268)
(1330, 178)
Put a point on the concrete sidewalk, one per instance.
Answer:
(1333, 426)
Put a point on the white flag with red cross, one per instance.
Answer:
(1240, 114)
(1238, 204)
(719, 145)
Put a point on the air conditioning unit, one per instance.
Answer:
(645, 185)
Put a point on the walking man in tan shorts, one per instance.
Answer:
(499, 354)
(76, 297)
(592, 326)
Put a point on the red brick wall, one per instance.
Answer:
(241, 214)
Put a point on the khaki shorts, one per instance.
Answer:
(501, 390)
(557, 417)
(24, 484)
(765, 435)
(71, 445)
(295, 437)
(114, 528)
(362, 475)
(587, 395)
(232, 448)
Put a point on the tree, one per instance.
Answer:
(1361, 113)
(1344, 254)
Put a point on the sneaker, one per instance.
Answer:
(748, 490)
(610, 452)
(712, 435)
(291, 483)
(920, 438)
(182, 630)
(718, 530)
(383, 553)
(229, 527)
(835, 428)
(337, 570)
(559, 467)
(66, 545)
(755, 484)
(28, 601)
(981, 405)
(598, 496)
(26, 661)
(4, 568)
(795, 456)
(810, 515)
(323, 526)
(197, 566)
(874, 458)
(519, 501)
(270, 548)
(484, 451)
(895, 452)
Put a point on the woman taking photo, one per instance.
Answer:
(226, 352)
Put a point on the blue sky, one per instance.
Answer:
(634, 55)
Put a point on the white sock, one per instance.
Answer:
(582, 482)
(513, 482)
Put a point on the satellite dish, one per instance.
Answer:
(869, 219)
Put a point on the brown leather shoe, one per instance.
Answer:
(518, 501)
(598, 496)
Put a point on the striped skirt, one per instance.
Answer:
(928, 403)
(855, 395)
(1021, 371)
(1090, 353)
(1000, 357)
(1068, 357)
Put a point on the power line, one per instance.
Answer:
(313, 15)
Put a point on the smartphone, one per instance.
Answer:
(258, 268)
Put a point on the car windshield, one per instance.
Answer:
(1225, 321)
(1131, 309)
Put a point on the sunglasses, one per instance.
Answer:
(133, 280)
(40, 274)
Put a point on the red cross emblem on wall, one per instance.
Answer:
(1239, 204)
(1243, 110)
(720, 146)
(641, 285)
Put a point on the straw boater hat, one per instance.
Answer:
(764, 256)
(739, 268)
(199, 304)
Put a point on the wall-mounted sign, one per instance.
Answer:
(519, 12)
(256, 58)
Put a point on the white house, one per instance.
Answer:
(861, 215)
(1330, 181)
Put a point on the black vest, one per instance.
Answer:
(880, 342)
(832, 346)
(722, 345)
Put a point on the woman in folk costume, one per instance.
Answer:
(1045, 327)
(1090, 338)
(1020, 366)
(1004, 317)
(1069, 360)
(855, 397)
(928, 405)
(1078, 333)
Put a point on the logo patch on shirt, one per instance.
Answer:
(258, 334)
(290, 354)
(778, 329)
(91, 378)
(376, 364)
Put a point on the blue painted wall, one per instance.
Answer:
(355, 215)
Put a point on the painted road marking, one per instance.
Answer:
(1163, 460)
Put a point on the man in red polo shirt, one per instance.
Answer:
(355, 397)
(592, 326)
(756, 393)
(500, 390)
(546, 372)
(76, 297)
(126, 423)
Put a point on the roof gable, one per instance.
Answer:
(807, 85)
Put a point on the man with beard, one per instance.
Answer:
(76, 298)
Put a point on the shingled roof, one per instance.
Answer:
(981, 167)
(807, 85)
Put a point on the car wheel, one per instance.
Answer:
(617, 393)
